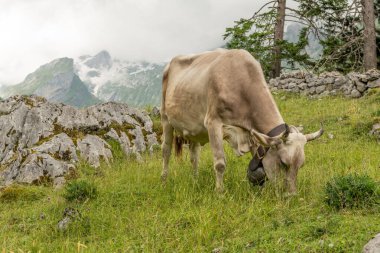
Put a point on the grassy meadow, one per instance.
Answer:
(134, 212)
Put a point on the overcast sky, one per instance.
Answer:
(34, 32)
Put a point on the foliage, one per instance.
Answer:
(337, 24)
(340, 28)
(80, 190)
(256, 35)
(351, 191)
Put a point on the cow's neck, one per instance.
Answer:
(265, 114)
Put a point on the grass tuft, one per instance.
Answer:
(80, 190)
(351, 191)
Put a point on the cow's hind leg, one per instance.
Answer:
(195, 148)
(215, 132)
(166, 147)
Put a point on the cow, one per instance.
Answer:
(222, 95)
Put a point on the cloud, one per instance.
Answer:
(34, 32)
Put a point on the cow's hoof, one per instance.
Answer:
(289, 195)
(219, 190)
(164, 177)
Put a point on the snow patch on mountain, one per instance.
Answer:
(101, 70)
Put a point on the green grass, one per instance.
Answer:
(134, 212)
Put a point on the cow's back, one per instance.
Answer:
(226, 85)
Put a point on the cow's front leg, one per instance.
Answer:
(195, 148)
(215, 132)
(166, 147)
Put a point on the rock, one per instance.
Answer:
(35, 169)
(291, 85)
(355, 94)
(218, 250)
(39, 139)
(339, 81)
(328, 80)
(155, 112)
(376, 130)
(112, 134)
(374, 83)
(320, 89)
(360, 86)
(373, 74)
(92, 148)
(373, 246)
(303, 86)
(138, 142)
(152, 142)
(69, 215)
(324, 94)
(311, 90)
(60, 146)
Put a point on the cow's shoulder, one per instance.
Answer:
(205, 58)
(239, 57)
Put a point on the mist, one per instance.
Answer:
(35, 32)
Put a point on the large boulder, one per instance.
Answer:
(373, 246)
(40, 141)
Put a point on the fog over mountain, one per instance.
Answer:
(35, 32)
(89, 80)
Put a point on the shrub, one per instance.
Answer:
(80, 190)
(351, 191)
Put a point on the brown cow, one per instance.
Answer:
(222, 94)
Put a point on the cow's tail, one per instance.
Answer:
(178, 143)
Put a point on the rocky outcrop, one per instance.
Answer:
(352, 85)
(42, 141)
(373, 246)
(376, 130)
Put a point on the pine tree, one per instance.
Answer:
(262, 36)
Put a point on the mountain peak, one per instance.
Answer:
(100, 60)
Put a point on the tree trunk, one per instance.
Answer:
(369, 57)
(278, 37)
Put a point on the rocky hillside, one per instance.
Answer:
(42, 141)
(57, 82)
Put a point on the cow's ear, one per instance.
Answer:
(265, 140)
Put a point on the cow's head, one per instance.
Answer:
(286, 153)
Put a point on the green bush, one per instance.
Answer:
(80, 190)
(351, 191)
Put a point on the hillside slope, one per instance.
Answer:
(57, 82)
(135, 212)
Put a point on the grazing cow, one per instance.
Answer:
(222, 94)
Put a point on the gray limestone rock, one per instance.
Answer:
(36, 169)
(374, 83)
(373, 246)
(360, 86)
(355, 94)
(320, 89)
(156, 111)
(60, 146)
(92, 148)
(39, 139)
